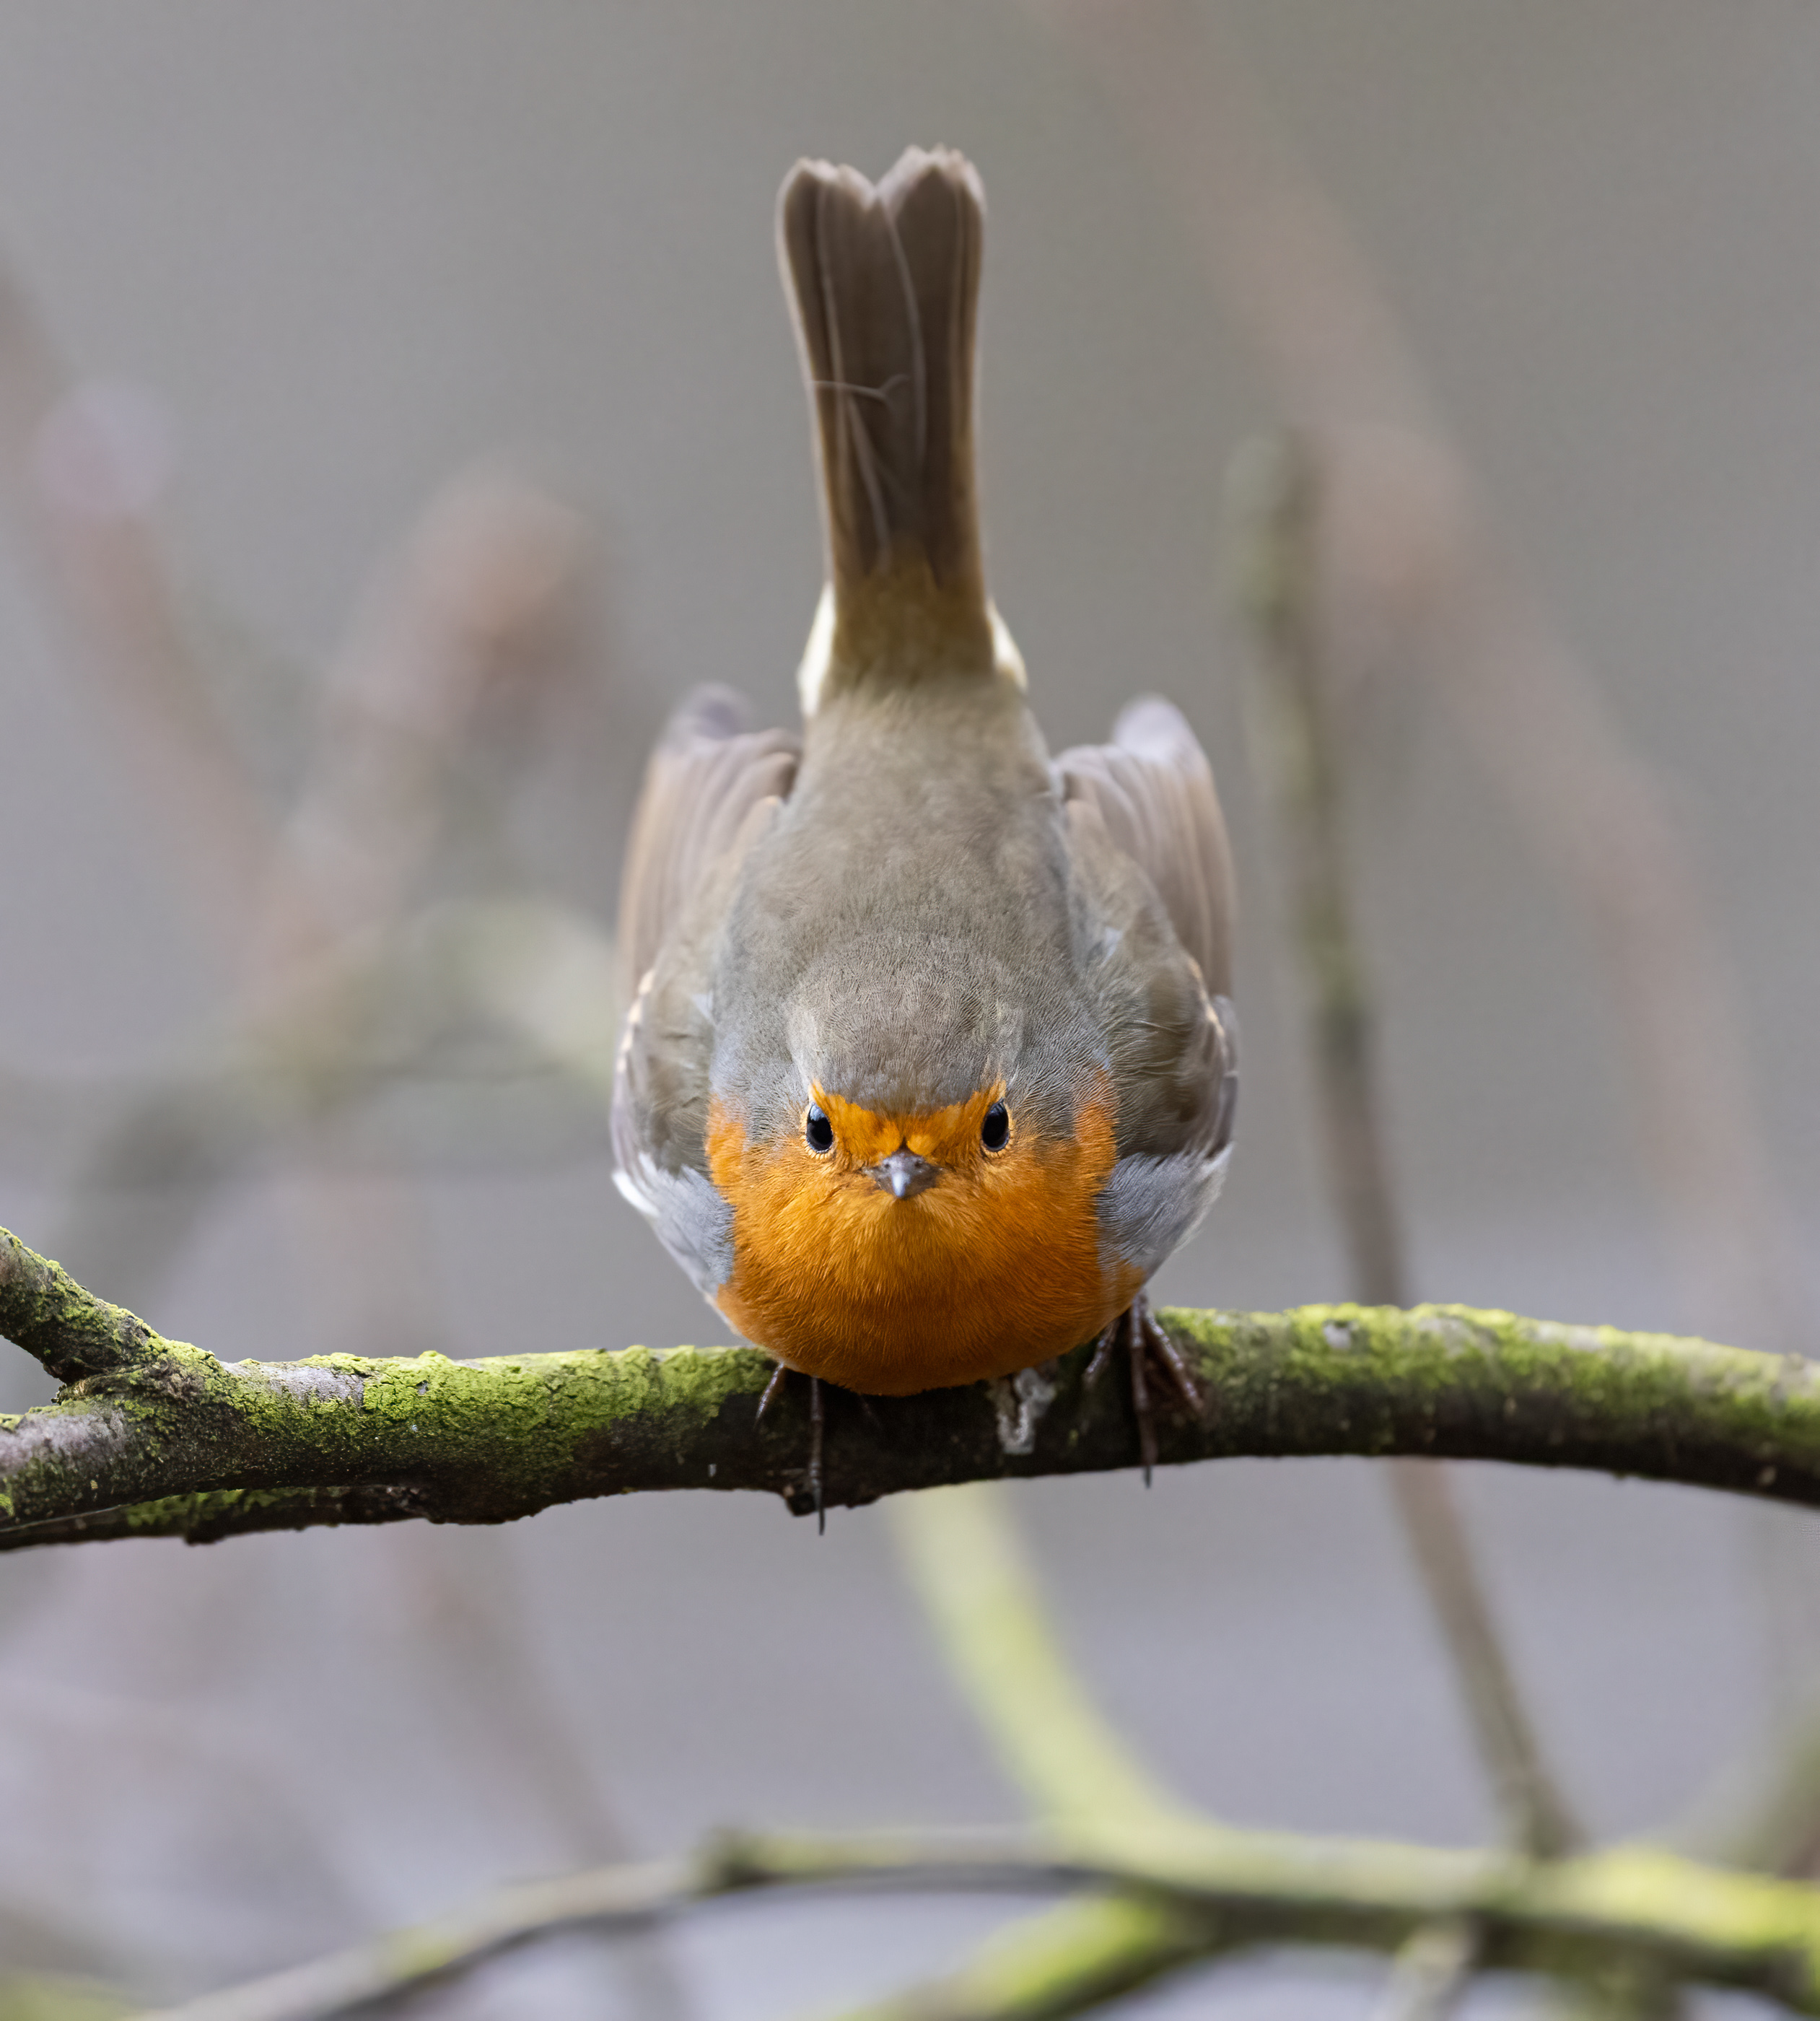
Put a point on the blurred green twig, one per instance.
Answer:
(966, 1564)
(1244, 1889)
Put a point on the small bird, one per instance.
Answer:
(930, 1062)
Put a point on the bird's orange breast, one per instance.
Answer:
(994, 1268)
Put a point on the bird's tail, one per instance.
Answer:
(885, 283)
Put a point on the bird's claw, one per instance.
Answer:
(778, 1375)
(818, 1435)
(1151, 1352)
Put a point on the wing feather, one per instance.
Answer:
(1153, 789)
(1146, 800)
(707, 791)
(704, 778)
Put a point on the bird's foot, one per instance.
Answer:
(1155, 1359)
(818, 1435)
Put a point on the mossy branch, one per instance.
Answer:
(1226, 1889)
(165, 1440)
(73, 1334)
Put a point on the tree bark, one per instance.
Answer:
(156, 1438)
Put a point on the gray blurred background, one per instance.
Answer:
(337, 254)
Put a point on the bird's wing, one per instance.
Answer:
(1153, 789)
(1150, 845)
(708, 790)
(704, 778)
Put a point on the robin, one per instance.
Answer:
(930, 1063)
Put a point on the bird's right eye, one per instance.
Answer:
(817, 1131)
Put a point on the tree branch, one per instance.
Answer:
(372, 1975)
(164, 1440)
(1074, 1958)
(1238, 1889)
(70, 1331)
(1431, 1971)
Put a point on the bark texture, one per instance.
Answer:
(156, 1438)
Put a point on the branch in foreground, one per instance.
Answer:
(170, 1441)
(1236, 1889)
(70, 1331)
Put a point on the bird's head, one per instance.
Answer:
(914, 1192)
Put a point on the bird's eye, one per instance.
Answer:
(995, 1130)
(817, 1131)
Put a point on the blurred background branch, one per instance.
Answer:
(1279, 499)
(1252, 1888)
(462, 640)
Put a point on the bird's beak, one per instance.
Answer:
(903, 1173)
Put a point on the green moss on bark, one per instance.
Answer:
(167, 1439)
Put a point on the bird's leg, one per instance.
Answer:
(1137, 1329)
(1141, 1392)
(1102, 1354)
(1169, 1358)
(778, 1375)
(817, 1425)
(817, 1433)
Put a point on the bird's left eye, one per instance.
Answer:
(995, 1130)
(817, 1131)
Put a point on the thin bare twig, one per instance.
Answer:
(372, 1975)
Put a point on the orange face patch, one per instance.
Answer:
(993, 1268)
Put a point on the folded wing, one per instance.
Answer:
(707, 791)
(1150, 840)
(1153, 788)
(704, 779)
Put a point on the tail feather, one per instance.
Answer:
(885, 283)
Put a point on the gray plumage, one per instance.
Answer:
(885, 285)
(707, 790)
(914, 904)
